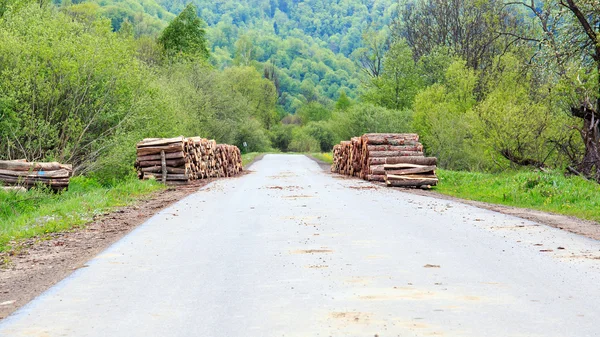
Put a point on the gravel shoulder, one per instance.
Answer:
(39, 263)
(590, 229)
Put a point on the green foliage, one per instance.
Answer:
(363, 118)
(551, 192)
(66, 86)
(343, 102)
(303, 142)
(397, 85)
(444, 119)
(514, 124)
(326, 157)
(313, 112)
(185, 37)
(281, 136)
(322, 133)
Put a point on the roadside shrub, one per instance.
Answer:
(303, 142)
(322, 133)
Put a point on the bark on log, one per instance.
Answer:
(172, 163)
(158, 169)
(406, 171)
(404, 160)
(424, 182)
(172, 155)
(62, 173)
(144, 151)
(387, 154)
(375, 177)
(410, 177)
(415, 147)
(25, 166)
(159, 141)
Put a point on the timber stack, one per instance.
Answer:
(177, 161)
(21, 173)
(394, 158)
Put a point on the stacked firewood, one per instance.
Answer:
(29, 174)
(180, 160)
(395, 158)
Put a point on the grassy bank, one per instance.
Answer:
(326, 157)
(247, 158)
(36, 212)
(551, 192)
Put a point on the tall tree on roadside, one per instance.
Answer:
(185, 36)
(569, 40)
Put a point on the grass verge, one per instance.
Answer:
(37, 212)
(326, 157)
(247, 158)
(550, 192)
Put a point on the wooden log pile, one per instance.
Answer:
(394, 158)
(21, 173)
(179, 160)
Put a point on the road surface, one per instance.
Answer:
(290, 250)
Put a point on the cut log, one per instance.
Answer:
(62, 173)
(422, 169)
(410, 177)
(403, 160)
(25, 166)
(416, 147)
(386, 139)
(172, 155)
(159, 141)
(158, 169)
(387, 154)
(144, 151)
(171, 163)
(375, 177)
(415, 183)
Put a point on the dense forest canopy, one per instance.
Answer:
(488, 85)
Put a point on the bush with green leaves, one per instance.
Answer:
(365, 118)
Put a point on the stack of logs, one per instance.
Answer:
(179, 160)
(395, 158)
(16, 174)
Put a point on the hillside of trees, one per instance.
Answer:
(488, 85)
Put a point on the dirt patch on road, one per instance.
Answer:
(37, 264)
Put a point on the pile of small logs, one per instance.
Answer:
(21, 173)
(395, 158)
(180, 160)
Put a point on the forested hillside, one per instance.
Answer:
(487, 85)
(310, 45)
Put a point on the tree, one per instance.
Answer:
(443, 118)
(185, 37)
(471, 28)
(569, 40)
(343, 103)
(399, 82)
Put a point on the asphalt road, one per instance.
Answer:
(290, 250)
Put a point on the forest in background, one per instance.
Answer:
(488, 85)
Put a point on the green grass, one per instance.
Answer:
(326, 157)
(37, 212)
(247, 158)
(551, 192)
